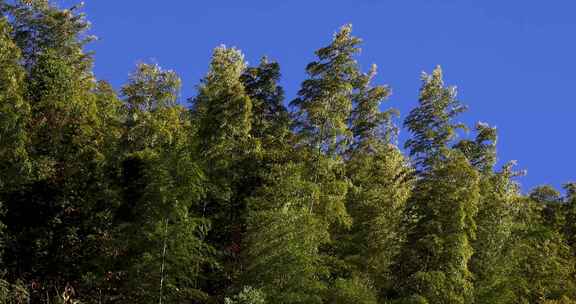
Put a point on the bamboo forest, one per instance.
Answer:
(237, 195)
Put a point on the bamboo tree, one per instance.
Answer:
(570, 222)
(269, 119)
(223, 113)
(324, 102)
(381, 182)
(433, 263)
(323, 108)
(431, 123)
(283, 240)
(14, 113)
(59, 214)
(497, 210)
(162, 189)
(371, 127)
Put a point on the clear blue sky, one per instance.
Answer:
(513, 61)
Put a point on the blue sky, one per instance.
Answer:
(513, 61)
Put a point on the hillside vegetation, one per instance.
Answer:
(242, 197)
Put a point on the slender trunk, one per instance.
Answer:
(163, 259)
(318, 154)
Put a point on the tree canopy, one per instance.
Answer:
(129, 195)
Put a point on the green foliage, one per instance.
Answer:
(248, 295)
(222, 109)
(542, 261)
(381, 184)
(282, 255)
(110, 118)
(431, 123)
(158, 235)
(325, 99)
(158, 214)
(353, 290)
(284, 186)
(545, 195)
(323, 109)
(40, 26)
(270, 118)
(151, 88)
(492, 247)
(154, 120)
(222, 114)
(434, 261)
(64, 115)
(569, 228)
(59, 212)
(481, 152)
(563, 300)
(131, 197)
(14, 112)
(13, 293)
(369, 125)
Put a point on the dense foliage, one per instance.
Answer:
(241, 196)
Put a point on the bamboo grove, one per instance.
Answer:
(240, 196)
